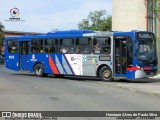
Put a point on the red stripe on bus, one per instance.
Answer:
(133, 68)
(53, 66)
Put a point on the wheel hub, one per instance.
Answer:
(38, 70)
(106, 73)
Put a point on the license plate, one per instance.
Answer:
(151, 73)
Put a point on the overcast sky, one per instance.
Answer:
(45, 15)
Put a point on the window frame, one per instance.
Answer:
(55, 45)
(64, 47)
(88, 46)
(102, 45)
(38, 46)
(16, 45)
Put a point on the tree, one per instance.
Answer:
(97, 20)
(1, 36)
(157, 8)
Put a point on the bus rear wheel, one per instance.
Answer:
(39, 70)
(105, 74)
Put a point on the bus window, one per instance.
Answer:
(129, 51)
(83, 45)
(66, 46)
(102, 45)
(51, 45)
(37, 46)
(12, 46)
(24, 48)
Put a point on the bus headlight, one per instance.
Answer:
(138, 66)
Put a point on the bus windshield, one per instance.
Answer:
(146, 51)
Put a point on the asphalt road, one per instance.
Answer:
(26, 92)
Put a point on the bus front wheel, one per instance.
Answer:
(39, 70)
(105, 73)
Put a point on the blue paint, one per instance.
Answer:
(13, 60)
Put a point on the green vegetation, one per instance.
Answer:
(1, 36)
(157, 9)
(96, 20)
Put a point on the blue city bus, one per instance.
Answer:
(107, 55)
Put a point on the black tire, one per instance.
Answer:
(105, 74)
(39, 70)
(45, 75)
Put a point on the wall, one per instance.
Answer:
(158, 37)
(128, 15)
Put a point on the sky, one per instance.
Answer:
(47, 15)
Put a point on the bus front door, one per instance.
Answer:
(120, 57)
(23, 53)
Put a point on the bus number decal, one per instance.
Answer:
(11, 57)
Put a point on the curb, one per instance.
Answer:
(157, 76)
(142, 90)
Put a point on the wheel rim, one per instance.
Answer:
(106, 73)
(38, 70)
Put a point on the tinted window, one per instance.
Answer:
(13, 46)
(51, 45)
(37, 45)
(129, 51)
(24, 48)
(66, 46)
(102, 45)
(83, 45)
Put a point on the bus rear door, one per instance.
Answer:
(24, 52)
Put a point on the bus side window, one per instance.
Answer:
(129, 51)
(66, 45)
(13, 46)
(51, 45)
(83, 45)
(102, 45)
(78, 50)
(97, 48)
(37, 46)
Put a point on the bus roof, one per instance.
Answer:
(72, 33)
(62, 34)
